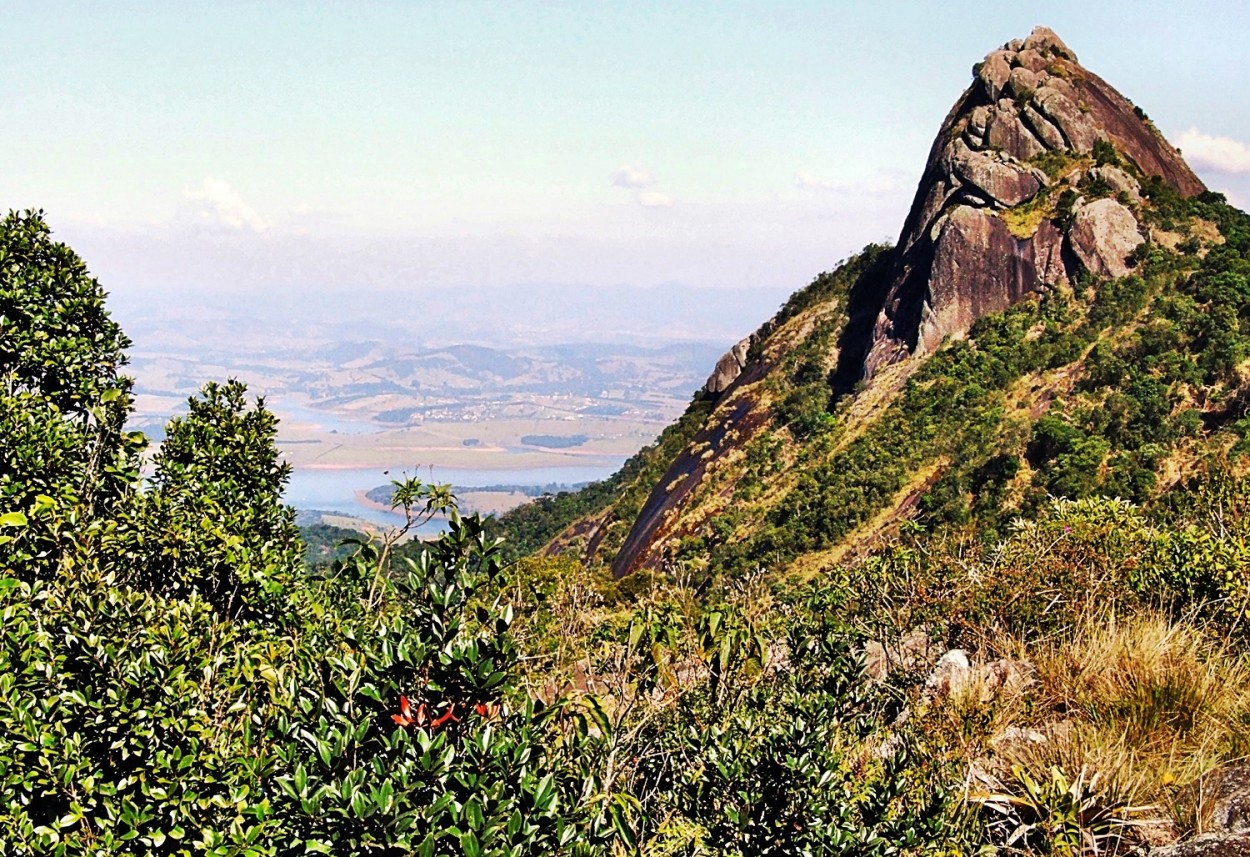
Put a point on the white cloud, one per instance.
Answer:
(1218, 154)
(655, 199)
(633, 176)
(219, 204)
(807, 181)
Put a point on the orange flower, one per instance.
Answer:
(420, 717)
(486, 709)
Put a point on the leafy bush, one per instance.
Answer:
(172, 682)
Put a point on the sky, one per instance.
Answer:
(195, 148)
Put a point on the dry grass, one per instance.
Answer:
(1152, 705)
(1157, 681)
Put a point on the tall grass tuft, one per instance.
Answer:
(1150, 705)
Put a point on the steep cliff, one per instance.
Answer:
(1033, 124)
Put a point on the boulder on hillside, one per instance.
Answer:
(1208, 845)
(1231, 812)
(1103, 235)
(729, 367)
(1228, 829)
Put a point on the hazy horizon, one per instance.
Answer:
(232, 148)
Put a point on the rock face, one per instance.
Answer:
(1208, 845)
(961, 254)
(1231, 812)
(1034, 177)
(1228, 830)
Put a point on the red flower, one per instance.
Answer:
(405, 716)
(450, 715)
(486, 709)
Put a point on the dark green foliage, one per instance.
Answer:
(355, 777)
(64, 454)
(56, 339)
(953, 406)
(220, 464)
(831, 286)
(1065, 207)
(1105, 154)
(323, 544)
(171, 682)
(779, 767)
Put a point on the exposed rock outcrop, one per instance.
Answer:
(1208, 845)
(1231, 812)
(729, 367)
(1035, 176)
(881, 658)
(1227, 831)
(958, 256)
(1103, 234)
(955, 674)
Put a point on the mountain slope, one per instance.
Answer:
(1092, 298)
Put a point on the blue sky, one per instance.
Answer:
(183, 147)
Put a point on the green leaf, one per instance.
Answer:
(622, 826)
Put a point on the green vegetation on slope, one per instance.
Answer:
(173, 681)
(1112, 388)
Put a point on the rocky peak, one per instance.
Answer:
(987, 226)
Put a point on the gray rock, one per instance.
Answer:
(1064, 88)
(1022, 83)
(912, 652)
(1042, 128)
(729, 367)
(1016, 739)
(1008, 134)
(1032, 60)
(962, 287)
(1000, 181)
(1048, 264)
(1231, 813)
(1006, 675)
(1046, 42)
(952, 674)
(1103, 234)
(1077, 128)
(1208, 845)
(994, 72)
(1120, 181)
(979, 120)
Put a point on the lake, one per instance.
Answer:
(334, 489)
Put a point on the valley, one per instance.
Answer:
(360, 402)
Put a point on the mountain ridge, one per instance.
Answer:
(788, 412)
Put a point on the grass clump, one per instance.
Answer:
(1129, 717)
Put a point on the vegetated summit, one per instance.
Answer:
(1056, 245)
